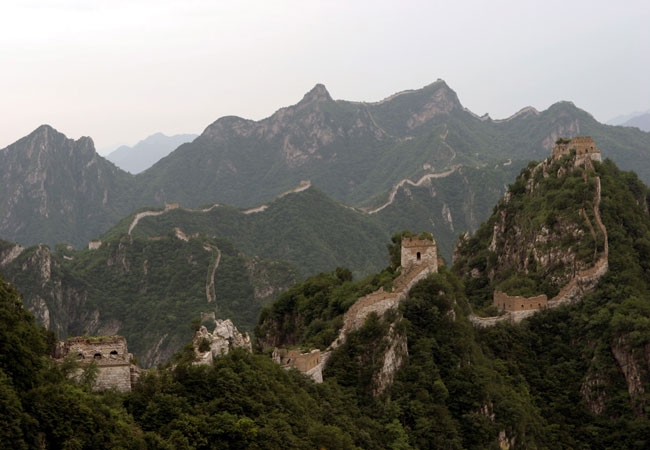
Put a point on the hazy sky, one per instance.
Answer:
(119, 71)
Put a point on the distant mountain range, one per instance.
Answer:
(366, 155)
(641, 121)
(623, 118)
(147, 152)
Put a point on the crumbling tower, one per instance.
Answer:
(419, 252)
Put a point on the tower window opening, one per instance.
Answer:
(419, 256)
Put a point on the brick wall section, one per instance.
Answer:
(304, 362)
(507, 302)
(586, 280)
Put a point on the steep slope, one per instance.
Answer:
(557, 222)
(444, 387)
(540, 235)
(54, 189)
(147, 152)
(148, 290)
(588, 364)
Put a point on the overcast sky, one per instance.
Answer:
(119, 71)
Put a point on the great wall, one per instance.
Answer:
(518, 308)
(418, 259)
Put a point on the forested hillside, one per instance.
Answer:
(146, 290)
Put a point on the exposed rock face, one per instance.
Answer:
(593, 392)
(634, 368)
(224, 338)
(55, 189)
(396, 352)
(109, 353)
(9, 254)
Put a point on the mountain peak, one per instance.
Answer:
(317, 94)
(44, 130)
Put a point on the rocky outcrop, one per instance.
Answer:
(593, 392)
(9, 254)
(222, 340)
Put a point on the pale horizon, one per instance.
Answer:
(120, 71)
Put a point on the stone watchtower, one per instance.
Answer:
(111, 355)
(419, 252)
(584, 146)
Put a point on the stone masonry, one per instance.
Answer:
(309, 363)
(419, 252)
(109, 353)
(584, 146)
(507, 302)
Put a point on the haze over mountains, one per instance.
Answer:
(55, 189)
(147, 152)
(641, 121)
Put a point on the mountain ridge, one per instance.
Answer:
(356, 152)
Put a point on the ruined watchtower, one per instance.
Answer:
(111, 355)
(584, 146)
(419, 252)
